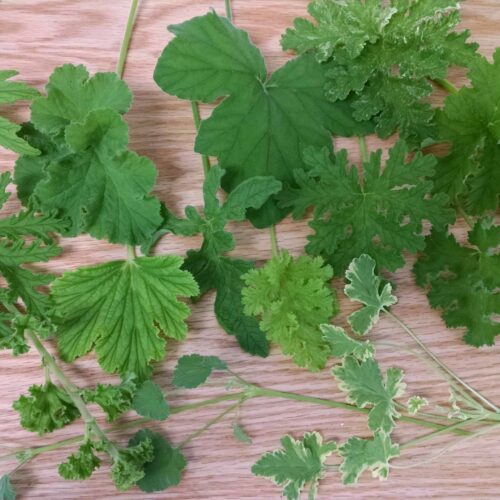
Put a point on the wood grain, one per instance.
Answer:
(36, 36)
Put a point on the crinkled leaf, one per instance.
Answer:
(364, 384)
(367, 454)
(365, 286)
(165, 469)
(122, 309)
(464, 281)
(297, 464)
(150, 402)
(262, 124)
(81, 464)
(342, 345)
(11, 92)
(292, 298)
(113, 399)
(470, 121)
(46, 409)
(382, 55)
(193, 370)
(379, 213)
(128, 465)
(7, 491)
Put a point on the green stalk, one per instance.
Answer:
(274, 241)
(120, 67)
(229, 10)
(446, 85)
(363, 149)
(197, 122)
(440, 364)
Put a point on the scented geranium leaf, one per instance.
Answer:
(364, 384)
(366, 287)
(11, 337)
(297, 464)
(113, 399)
(128, 464)
(81, 464)
(342, 345)
(470, 122)
(210, 267)
(7, 491)
(367, 454)
(46, 409)
(415, 404)
(72, 94)
(102, 188)
(165, 469)
(123, 309)
(292, 298)
(29, 223)
(262, 125)
(464, 281)
(382, 55)
(5, 180)
(150, 402)
(11, 92)
(379, 213)
(224, 274)
(193, 370)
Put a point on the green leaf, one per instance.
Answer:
(101, 187)
(72, 95)
(292, 298)
(122, 309)
(342, 345)
(150, 402)
(241, 434)
(81, 464)
(382, 54)
(415, 404)
(470, 122)
(128, 464)
(193, 370)
(263, 123)
(29, 223)
(11, 92)
(165, 469)
(7, 491)
(297, 464)
(365, 286)
(379, 213)
(464, 281)
(113, 399)
(210, 267)
(46, 409)
(364, 384)
(367, 454)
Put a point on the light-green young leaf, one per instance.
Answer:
(365, 386)
(366, 287)
(298, 463)
(415, 404)
(342, 345)
(81, 464)
(123, 309)
(193, 370)
(292, 298)
(263, 123)
(367, 454)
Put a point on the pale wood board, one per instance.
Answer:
(38, 35)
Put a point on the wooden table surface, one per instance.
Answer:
(38, 35)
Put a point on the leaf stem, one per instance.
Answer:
(197, 122)
(363, 149)
(274, 241)
(131, 254)
(211, 422)
(440, 364)
(229, 10)
(120, 67)
(446, 85)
